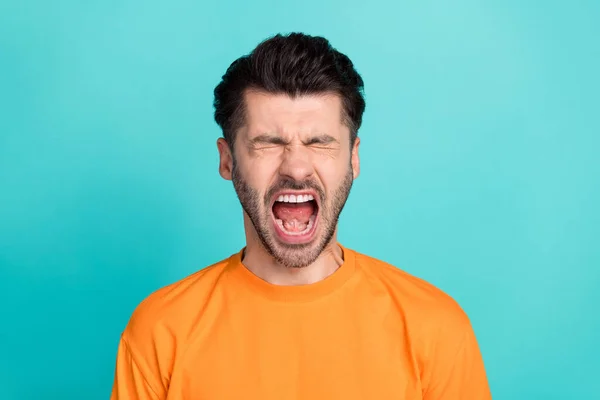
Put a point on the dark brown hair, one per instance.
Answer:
(295, 64)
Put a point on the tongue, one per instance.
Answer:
(287, 212)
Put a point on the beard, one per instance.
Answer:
(258, 210)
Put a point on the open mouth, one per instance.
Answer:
(295, 216)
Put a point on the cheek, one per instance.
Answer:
(261, 172)
(332, 174)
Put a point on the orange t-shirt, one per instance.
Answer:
(368, 331)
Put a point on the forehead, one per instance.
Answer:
(282, 114)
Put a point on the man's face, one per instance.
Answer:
(292, 170)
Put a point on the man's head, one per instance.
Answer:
(290, 113)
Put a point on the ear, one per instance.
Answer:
(225, 159)
(355, 159)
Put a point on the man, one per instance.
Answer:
(295, 315)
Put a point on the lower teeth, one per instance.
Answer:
(309, 226)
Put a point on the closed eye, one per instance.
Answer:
(320, 141)
(268, 141)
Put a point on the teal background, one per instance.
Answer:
(480, 171)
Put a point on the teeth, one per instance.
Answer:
(295, 226)
(309, 226)
(292, 198)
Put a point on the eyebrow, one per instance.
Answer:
(278, 140)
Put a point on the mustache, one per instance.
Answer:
(291, 184)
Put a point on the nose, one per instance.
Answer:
(296, 163)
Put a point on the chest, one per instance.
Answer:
(299, 353)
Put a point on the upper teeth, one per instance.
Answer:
(292, 198)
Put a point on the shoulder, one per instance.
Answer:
(425, 305)
(165, 313)
(437, 329)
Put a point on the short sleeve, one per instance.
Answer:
(455, 370)
(131, 381)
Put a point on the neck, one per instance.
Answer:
(261, 263)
